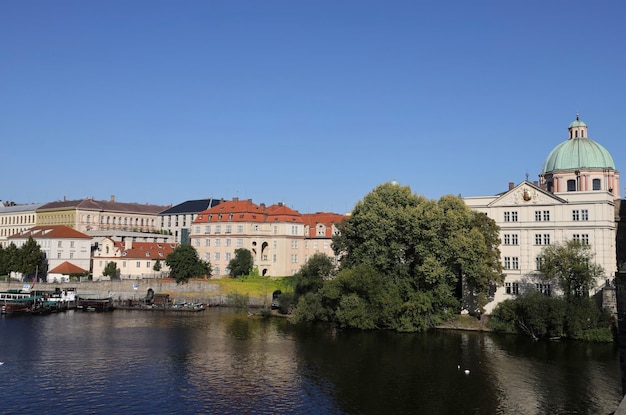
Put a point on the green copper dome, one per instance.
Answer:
(578, 153)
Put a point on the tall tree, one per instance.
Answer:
(570, 265)
(311, 276)
(184, 264)
(242, 263)
(32, 259)
(424, 247)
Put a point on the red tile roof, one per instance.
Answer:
(245, 211)
(145, 250)
(326, 218)
(50, 232)
(67, 268)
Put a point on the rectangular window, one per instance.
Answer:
(148, 264)
(507, 262)
(515, 288)
(207, 256)
(227, 241)
(274, 244)
(513, 216)
(507, 216)
(71, 255)
(294, 230)
(71, 244)
(207, 242)
(515, 262)
(138, 264)
(218, 228)
(217, 242)
(239, 243)
(537, 263)
(537, 239)
(545, 289)
(196, 241)
(217, 256)
(507, 287)
(197, 229)
(59, 244)
(575, 214)
(537, 216)
(514, 240)
(294, 244)
(507, 239)
(546, 215)
(584, 239)
(207, 229)
(584, 214)
(546, 239)
(274, 258)
(239, 228)
(229, 228)
(228, 256)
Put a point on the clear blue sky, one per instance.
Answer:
(312, 103)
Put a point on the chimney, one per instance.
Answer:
(128, 244)
(262, 205)
(235, 199)
(112, 198)
(536, 183)
(511, 185)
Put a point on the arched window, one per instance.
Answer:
(596, 184)
(571, 185)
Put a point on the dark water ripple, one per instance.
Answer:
(221, 362)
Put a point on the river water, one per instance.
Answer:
(222, 362)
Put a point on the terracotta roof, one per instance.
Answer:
(245, 211)
(326, 218)
(67, 268)
(50, 232)
(104, 205)
(145, 250)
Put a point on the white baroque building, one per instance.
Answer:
(575, 199)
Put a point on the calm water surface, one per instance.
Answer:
(222, 362)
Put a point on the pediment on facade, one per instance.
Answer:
(526, 193)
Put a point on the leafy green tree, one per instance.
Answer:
(157, 265)
(32, 261)
(570, 265)
(110, 270)
(184, 263)
(242, 263)
(11, 258)
(424, 248)
(312, 274)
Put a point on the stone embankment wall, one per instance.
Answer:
(195, 291)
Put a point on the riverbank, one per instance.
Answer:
(464, 322)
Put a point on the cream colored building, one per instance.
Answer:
(16, 218)
(575, 200)
(319, 229)
(96, 215)
(273, 234)
(134, 260)
(59, 243)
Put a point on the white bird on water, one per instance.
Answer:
(1, 363)
(467, 372)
